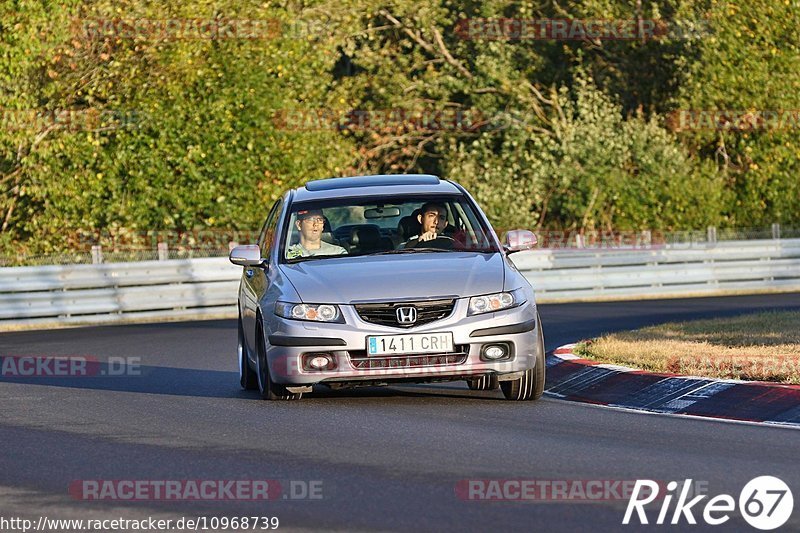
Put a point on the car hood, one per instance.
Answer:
(396, 277)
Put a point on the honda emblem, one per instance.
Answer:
(406, 315)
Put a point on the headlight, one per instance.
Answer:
(495, 302)
(313, 312)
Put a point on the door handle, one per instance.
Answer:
(249, 272)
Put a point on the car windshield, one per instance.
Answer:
(387, 225)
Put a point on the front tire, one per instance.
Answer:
(268, 389)
(247, 378)
(531, 385)
(488, 382)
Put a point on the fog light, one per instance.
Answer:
(319, 361)
(495, 351)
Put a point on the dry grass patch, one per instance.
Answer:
(761, 347)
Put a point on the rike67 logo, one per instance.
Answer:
(765, 503)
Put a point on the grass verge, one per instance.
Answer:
(759, 347)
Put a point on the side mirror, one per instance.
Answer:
(518, 240)
(247, 255)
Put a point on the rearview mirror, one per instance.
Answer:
(381, 212)
(518, 240)
(246, 255)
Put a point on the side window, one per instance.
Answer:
(268, 231)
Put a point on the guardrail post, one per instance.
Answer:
(647, 239)
(163, 251)
(97, 254)
(711, 234)
(580, 242)
(776, 231)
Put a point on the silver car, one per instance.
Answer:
(385, 279)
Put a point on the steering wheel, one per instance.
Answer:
(444, 242)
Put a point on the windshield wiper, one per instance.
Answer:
(409, 251)
(296, 260)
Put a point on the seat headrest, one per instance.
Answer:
(408, 226)
(365, 236)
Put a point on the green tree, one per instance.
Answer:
(750, 62)
(182, 133)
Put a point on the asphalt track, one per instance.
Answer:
(387, 458)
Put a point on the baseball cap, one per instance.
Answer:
(306, 213)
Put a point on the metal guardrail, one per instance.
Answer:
(117, 291)
(147, 290)
(713, 268)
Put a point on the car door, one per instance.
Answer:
(254, 281)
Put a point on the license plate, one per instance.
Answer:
(410, 344)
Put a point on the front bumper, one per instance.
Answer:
(288, 340)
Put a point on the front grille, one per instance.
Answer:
(360, 361)
(385, 314)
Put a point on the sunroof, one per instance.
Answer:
(371, 181)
